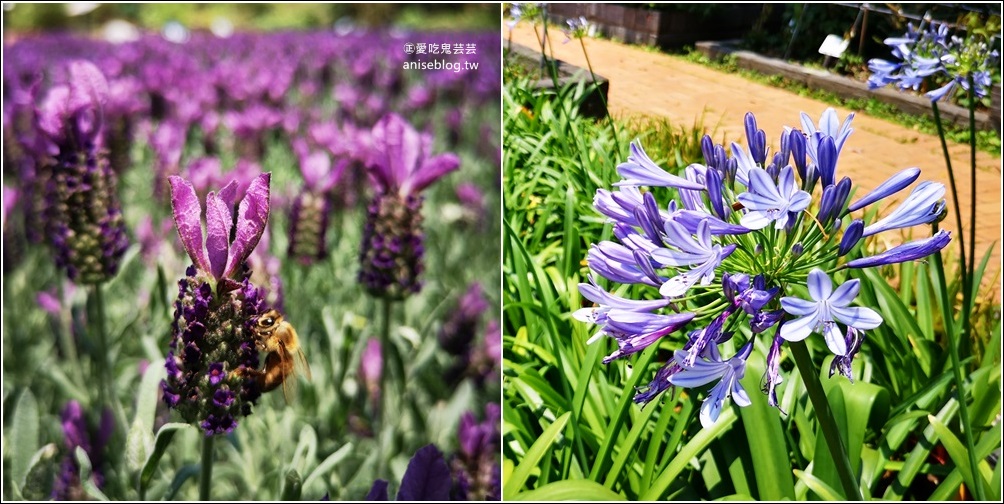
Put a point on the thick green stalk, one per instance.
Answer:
(971, 267)
(105, 391)
(831, 434)
(206, 467)
(955, 192)
(603, 98)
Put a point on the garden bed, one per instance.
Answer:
(847, 87)
(527, 62)
(662, 27)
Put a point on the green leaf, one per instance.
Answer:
(957, 451)
(765, 437)
(306, 448)
(918, 456)
(569, 490)
(292, 486)
(328, 464)
(24, 436)
(41, 471)
(85, 476)
(160, 444)
(139, 440)
(535, 454)
(824, 491)
(699, 442)
(184, 474)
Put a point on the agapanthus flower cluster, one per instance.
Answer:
(83, 216)
(401, 165)
(576, 28)
(930, 51)
(212, 334)
(751, 239)
(519, 11)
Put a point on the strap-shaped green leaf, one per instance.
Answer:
(534, 455)
(569, 490)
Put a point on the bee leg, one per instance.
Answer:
(252, 374)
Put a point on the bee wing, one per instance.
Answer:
(300, 363)
(288, 375)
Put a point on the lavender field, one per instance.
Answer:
(261, 266)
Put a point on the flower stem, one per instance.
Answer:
(955, 191)
(105, 391)
(603, 98)
(207, 467)
(953, 347)
(971, 268)
(386, 348)
(831, 434)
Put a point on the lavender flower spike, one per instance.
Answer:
(766, 202)
(911, 251)
(924, 205)
(895, 184)
(705, 371)
(641, 170)
(827, 307)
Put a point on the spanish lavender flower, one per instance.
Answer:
(309, 214)
(473, 203)
(88, 232)
(370, 370)
(475, 467)
(460, 328)
(76, 433)
(427, 478)
(217, 306)
(680, 248)
(400, 165)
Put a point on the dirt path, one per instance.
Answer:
(645, 82)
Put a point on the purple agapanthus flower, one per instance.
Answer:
(704, 371)
(703, 233)
(768, 202)
(825, 310)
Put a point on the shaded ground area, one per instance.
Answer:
(644, 82)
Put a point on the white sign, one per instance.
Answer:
(834, 46)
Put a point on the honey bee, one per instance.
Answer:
(285, 359)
